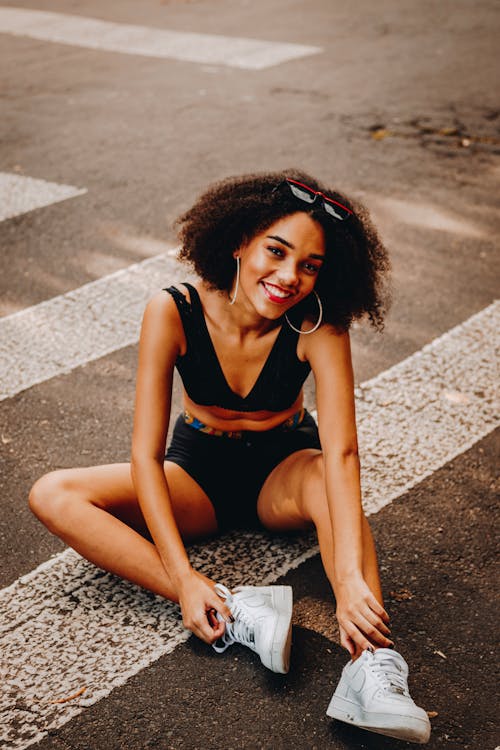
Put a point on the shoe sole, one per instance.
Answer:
(414, 729)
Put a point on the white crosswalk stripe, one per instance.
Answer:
(20, 194)
(69, 330)
(212, 49)
(86, 629)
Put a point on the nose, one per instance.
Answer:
(288, 273)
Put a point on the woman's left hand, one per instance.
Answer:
(363, 622)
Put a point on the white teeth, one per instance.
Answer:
(277, 292)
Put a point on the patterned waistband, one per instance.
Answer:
(288, 424)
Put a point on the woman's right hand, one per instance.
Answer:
(363, 622)
(198, 600)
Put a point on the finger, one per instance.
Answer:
(347, 642)
(358, 640)
(203, 629)
(220, 605)
(218, 626)
(371, 633)
(212, 618)
(206, 633)
(376, 621)
(222, 609)
(217, 631)
(378, 608)
(203, 635)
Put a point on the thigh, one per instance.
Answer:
(282, 502)
(222, 467)
(110, 488)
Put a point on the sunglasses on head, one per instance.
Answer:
(308, 195)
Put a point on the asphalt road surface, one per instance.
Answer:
(113, 117)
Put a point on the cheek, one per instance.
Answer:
(256, 265)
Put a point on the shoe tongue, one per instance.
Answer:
(388, 654)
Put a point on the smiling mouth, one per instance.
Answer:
(276, 294)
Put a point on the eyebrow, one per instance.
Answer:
(292, 247)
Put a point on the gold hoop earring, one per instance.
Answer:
(233, 300)
(318, 322)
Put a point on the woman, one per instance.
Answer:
(285, 266)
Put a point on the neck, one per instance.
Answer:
(240, 318)
(248, 322)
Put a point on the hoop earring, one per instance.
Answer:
(233, 300)
(318, 322)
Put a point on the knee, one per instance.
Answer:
(50, 496)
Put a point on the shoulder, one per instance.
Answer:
(161, 308)
(161, 324)
(326, 347)
(327, 337)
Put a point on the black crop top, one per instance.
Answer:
(279, 382)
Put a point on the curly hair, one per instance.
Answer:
(353, 281)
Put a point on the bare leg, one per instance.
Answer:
(294, 497)
(95, 511)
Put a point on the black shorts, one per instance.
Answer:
(231, 471)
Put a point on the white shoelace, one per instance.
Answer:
(386, 669)
(239, 631)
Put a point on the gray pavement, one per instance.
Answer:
(401, 109)
(444, 564)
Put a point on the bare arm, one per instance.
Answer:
(357, 607)
(160, 342)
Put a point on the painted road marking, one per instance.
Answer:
(92, 33)
(55, 336)
(20, 194)
(67, 625)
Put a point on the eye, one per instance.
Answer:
(311, 268)
(275, 251)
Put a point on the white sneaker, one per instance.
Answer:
(373, 694)
(263, 622)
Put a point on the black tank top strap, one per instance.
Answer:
(180, 300)
(188, 310)
(191, 314)
(195, 302)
